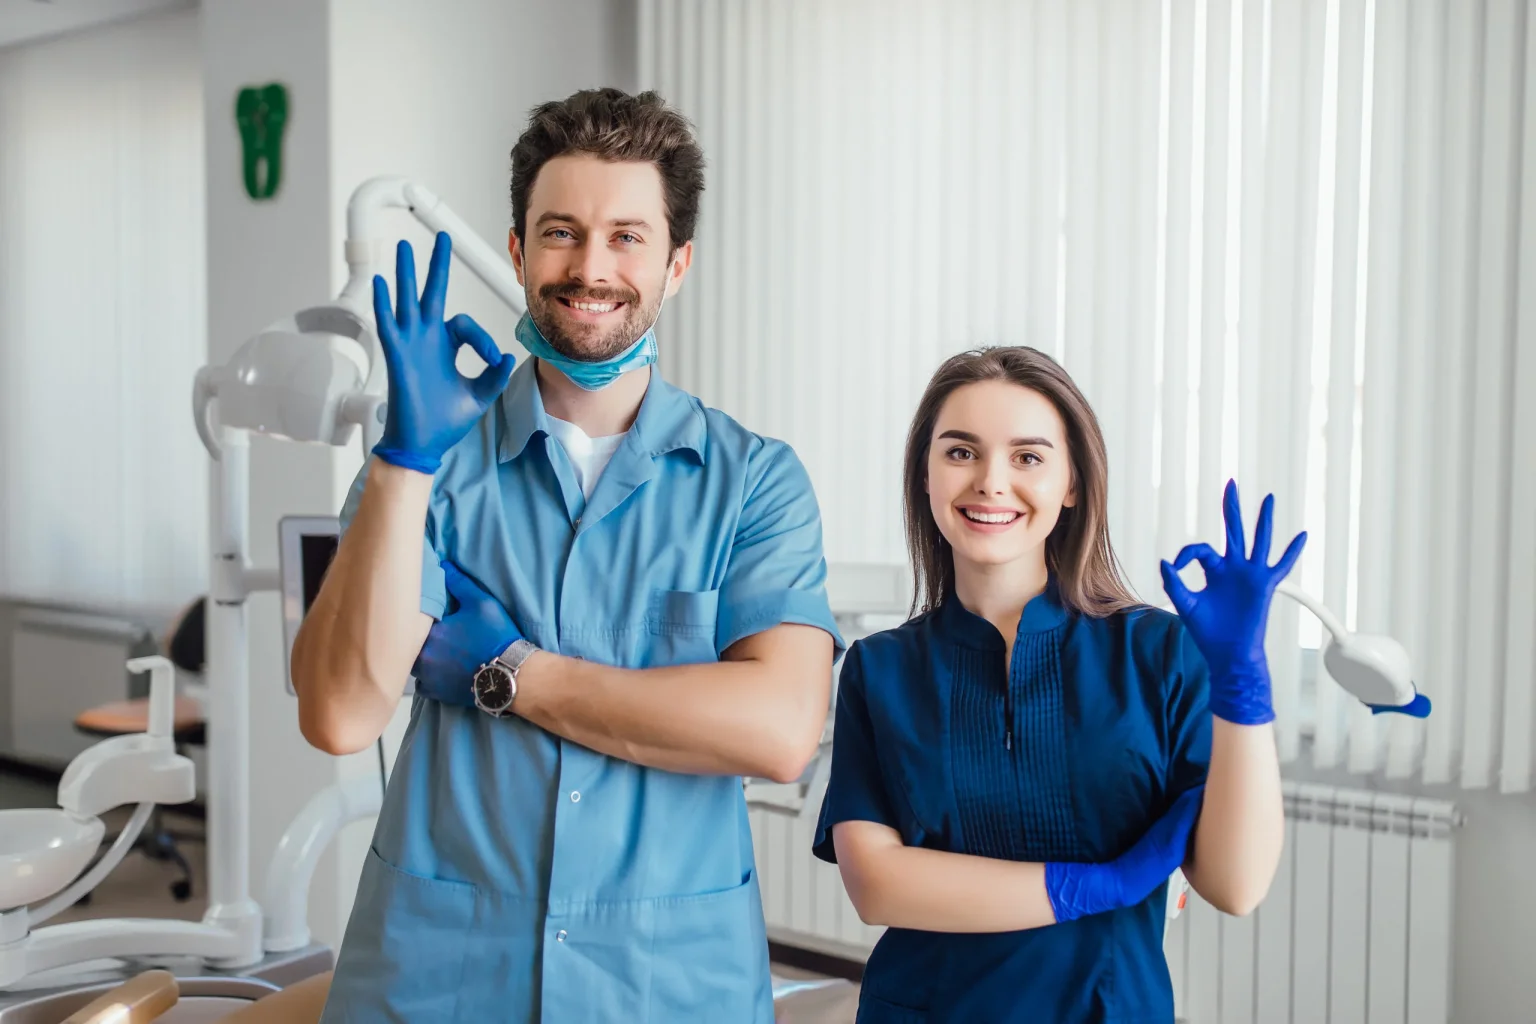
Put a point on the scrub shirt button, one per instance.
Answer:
(575, 796)
(560, 935)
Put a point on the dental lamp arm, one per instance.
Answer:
(1327, 618)
(484, 262)
(366, 247)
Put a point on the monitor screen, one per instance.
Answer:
(315, 554)
(305, 547)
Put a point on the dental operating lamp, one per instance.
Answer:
(1374, 669)
(315, 377)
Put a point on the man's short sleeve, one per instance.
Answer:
(855, 787)
(777, 572)
(434, 592)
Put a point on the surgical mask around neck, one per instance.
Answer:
(595, 376)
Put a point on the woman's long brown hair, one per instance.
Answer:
(1078, 552)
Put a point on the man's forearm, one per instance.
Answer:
(760, 713)
(354, 652)
(898, 886)
(1242, 823)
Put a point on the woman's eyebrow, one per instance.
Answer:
(1018, 442)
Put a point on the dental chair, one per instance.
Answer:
(162, 998)
(158, 996)
(126, 718)
(184, 645)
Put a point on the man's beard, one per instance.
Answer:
(589, 343)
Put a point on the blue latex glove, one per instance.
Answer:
(1077, 890)
(1226, 619)
(476, 630)
(431, 404)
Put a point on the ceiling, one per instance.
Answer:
(23, 21)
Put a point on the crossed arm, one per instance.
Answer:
(1230, 860)
(758, 712)
(901, 886)
(1230, 863)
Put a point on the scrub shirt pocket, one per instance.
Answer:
(707, 962)
(681, 624)
(403, 952)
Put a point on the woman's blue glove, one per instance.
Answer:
(1226, 619)
(475, 631)
(1077, 890)
(431, 404)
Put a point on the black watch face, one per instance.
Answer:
(493, 687)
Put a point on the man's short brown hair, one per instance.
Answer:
(613, 125)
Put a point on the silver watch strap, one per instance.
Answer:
(514, 656)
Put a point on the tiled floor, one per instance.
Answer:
(140, 887)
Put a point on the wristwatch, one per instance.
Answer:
(495, 683)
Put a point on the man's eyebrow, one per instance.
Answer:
(568, 218)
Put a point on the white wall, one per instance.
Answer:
(440, 94)
(437, 94)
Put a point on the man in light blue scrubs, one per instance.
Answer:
(622, 601)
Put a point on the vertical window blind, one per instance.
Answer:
(1283, 242)
(103, 484)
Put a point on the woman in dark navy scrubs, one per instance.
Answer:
(1035, 721)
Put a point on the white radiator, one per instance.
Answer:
(1356, 928)
(804, 903)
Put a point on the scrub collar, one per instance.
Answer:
(962, 626)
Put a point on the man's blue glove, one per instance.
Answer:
(474, 632)
(431, 404)
(1226, 620)
(1077, 890)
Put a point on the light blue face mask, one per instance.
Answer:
(594, 376)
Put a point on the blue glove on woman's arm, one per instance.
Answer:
(1226, 620)
(431, 404)
(476, 630)
(1077, 890)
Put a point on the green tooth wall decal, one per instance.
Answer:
(261, 112)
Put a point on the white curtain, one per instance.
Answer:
(103, 485)
(1274, 241)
